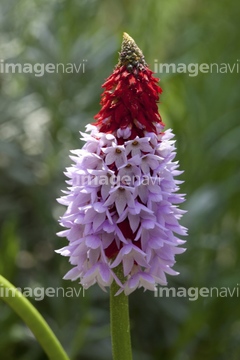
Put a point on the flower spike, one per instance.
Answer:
(122, 203)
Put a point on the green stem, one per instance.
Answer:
(120, 326)
(33, 320)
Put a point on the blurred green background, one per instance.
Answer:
(40, 122)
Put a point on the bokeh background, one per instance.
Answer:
(40, 122)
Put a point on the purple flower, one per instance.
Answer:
(115, 154)
(111, 223)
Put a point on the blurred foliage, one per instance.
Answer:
(40, 122)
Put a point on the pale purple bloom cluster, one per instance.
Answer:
(122, 208)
